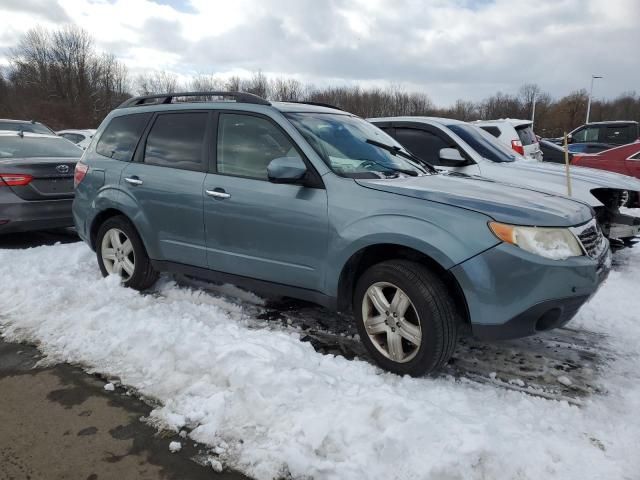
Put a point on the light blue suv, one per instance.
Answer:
(306, 201)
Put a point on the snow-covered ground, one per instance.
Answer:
(270, 405)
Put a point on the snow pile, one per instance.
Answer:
(274, 406)
(175, 447)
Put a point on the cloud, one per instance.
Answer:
(449, 49)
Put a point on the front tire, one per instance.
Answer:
(406, 317)
(120, 251)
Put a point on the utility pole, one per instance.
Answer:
(593, 77)
(533, 109)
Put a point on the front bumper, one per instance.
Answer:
(17, 215)
(512, 293)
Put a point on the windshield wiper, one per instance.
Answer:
(411, 173)
(394, 150)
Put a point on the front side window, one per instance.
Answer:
(176, 140)
(119, 139)
(344, 144)
(30, 147)
(483, 143)
(588, 134)
(247, 144)
(423, 144)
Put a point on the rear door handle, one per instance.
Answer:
(218, 193)
(133, 180)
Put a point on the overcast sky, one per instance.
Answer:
(449, 49)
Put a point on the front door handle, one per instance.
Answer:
(133, 180)
(218, 193)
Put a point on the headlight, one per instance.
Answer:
(553, 243)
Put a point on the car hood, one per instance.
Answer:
(503, 202)
(550, 177)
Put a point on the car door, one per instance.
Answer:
(426, 141)
(255, 228)
(165, 180)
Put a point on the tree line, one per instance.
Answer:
(59, 78)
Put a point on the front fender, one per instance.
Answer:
(450, 242)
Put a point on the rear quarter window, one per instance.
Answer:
(526, 135)
(119, 139)
(495, 131)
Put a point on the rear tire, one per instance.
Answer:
(120, 251)
(406, 317)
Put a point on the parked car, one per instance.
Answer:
(312, 202)
(552, 152)
(36, 181)
(615, 132)
(624, 159)
(24, 126)
(515, 134)
(82, 138)
(465, 148)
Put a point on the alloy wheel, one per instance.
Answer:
(391, 322)
(117, 253)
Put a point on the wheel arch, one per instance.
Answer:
(370, 255)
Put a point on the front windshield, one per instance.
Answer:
(341, 141)
(483, 143)
(30, 147)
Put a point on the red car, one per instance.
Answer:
(624, 159)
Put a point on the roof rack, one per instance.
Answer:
(318, 104)
(166, 98)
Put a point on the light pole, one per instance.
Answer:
(533, 109)
(593, 77)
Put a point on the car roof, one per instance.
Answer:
(89, 131)
(632, 122)
(416, 119)
(511, 121)
(13, 133)
(13, 120)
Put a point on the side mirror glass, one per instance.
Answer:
(286, 170)
(451, 155)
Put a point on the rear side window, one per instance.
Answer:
(121, 136)
(176, 140)
(422, 144)
(495, 131)
(617, 134)
(247, 144)
(72, 137)
(526, 135)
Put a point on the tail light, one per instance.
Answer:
(516, 145)
(79, 173)
(15, 179)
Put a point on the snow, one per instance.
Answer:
(276, 407)
(175, 447)
(109, 387)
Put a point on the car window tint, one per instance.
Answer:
(176, 140)
(495, 131)
(526, 135)
(423, 144)
(246, 145)
(121, 136)
(617, 134)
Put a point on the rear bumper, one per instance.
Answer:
(511, 293)
(17, 215)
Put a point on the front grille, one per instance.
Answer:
(591, 238)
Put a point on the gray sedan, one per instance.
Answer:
(36, 181)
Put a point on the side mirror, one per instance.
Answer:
(569, 138)
(286, 170)
(451, 155)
